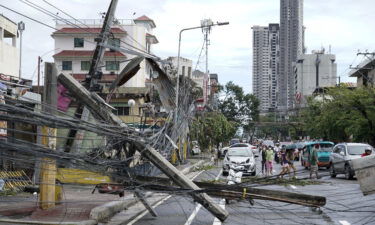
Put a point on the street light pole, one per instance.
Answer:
(179, 53)
(21, 28)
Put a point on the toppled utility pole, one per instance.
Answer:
(150, 153)
(95, 73)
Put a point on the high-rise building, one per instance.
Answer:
(291, 45)
(266, 65)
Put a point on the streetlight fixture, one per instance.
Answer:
(203, 25)
(21, 28)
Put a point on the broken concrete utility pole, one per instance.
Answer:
(95, 74)
(48, 166)
(150, 153)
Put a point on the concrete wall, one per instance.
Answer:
(9, 53)
(305, 71)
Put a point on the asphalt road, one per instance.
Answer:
(345, 205)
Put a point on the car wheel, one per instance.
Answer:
(225, 173)
(254, 173)
(332, 171)
(348, 175)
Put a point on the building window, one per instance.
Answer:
(78, 42)
(85, 65)
(183, 70)
(114, 42)
(66, 65)
(112, 65)
(122, 111)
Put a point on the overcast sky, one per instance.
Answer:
(346, 25)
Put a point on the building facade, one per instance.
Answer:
(9, 53)
(185, 67)
(75, 47)
(266, 65)
(291, 46)
(312, 71)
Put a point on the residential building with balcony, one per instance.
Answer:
(74, 48)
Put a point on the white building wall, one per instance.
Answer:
(9, 53)
(306, 69)
(137, 32)
(184, 63)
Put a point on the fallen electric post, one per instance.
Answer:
(230, 192)
(147, 151)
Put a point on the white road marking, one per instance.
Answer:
(344, 222)
(157, 204)
(292, 186)
(198, 206)
(192, 216)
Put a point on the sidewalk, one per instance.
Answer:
(77, 207)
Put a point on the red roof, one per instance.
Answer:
(75, 53)
(73, 30)
(153, 37)
(146, 19)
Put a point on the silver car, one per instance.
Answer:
(239, 159)
(342, 155)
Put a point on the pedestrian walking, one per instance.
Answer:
(277, 153)
(269, 159)
(284, 163)
(313, 160)
(263, 152)
(290, 156)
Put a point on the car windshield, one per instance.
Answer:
(325, 147)
(239, 145)
(234, 141)
(239, 152)
(357, 149)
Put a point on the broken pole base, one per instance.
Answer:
(180, 179)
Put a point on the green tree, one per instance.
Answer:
(239, 107)
(211, 129)
(344, 114)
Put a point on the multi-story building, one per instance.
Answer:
(266, 65)
(185, 67)
(9, 53)
(312, 71)
(198, 78)
(291, 45)
(75, 45)
(365, 73)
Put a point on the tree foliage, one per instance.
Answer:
(212, 128)
(239, 107)
(342, 115)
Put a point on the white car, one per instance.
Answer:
(240, 160)
(253, 148)
(196, 150)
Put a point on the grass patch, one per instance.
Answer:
(7, 193)
(279, 181)
(265, 181)
(204, 167)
